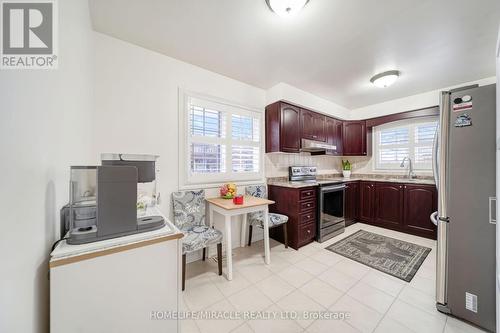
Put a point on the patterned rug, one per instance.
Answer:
(389, 255)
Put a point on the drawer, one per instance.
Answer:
(307, 232)
(307, 205)
(307, 194)
(309, 217)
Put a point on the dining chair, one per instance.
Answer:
(189, 217)
(257, 218)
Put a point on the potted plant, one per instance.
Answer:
(346, 168)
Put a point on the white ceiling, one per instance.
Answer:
(331, 49)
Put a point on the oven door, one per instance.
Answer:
(331, 221)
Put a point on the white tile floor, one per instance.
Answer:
(315, 279)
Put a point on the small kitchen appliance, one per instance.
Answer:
(115, 199)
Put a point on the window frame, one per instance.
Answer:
(412, 125)
(189, 180)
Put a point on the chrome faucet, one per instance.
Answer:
(411, 173)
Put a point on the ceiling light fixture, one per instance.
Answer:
(385, 79)
(286, 8)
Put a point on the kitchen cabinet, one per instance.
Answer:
(299, 204)
(366, 201)
(397, 206)
(354, 138)
(388, 204)
(333, 129)
(351, 203)
(312, 125)
(94, 287)
(420, 201)
(282, 128)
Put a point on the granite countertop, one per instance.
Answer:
(283, 182)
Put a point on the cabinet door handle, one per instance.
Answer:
(308, 231)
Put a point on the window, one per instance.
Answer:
(221, 141)
(409, 138)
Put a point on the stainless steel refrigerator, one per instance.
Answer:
(465, 173)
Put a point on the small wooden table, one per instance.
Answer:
(228, 209)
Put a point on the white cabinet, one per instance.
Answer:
(116, 288)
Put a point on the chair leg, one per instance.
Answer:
(219, 257)
(183, 272)
(285, 234)
(204, 254)
(250, 228)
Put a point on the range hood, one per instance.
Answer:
(317, 147)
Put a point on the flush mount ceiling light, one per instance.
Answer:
(286, 8)
(385, 79)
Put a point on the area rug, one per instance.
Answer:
(389, 255)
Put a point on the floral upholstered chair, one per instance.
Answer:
(189, 217)
(257, 218)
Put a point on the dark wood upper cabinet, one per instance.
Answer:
(351, 203)
(282, 128)
(388, 204)
(419, 203)
(312, 125)
(366, 201)
(333, 129)
(354, 138)
(287, 124)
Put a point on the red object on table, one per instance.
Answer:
(238, 200)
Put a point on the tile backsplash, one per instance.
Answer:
(276, 164)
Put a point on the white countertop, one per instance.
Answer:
(64, 250)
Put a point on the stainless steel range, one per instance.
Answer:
(331, 221)
(302, 174)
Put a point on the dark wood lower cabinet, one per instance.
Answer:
(366, 201)
(420, 201)
(351, 203)
(396, 206)
(299, 204)
(388, 204)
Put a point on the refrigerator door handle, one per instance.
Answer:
(434, 218)
(493, 220)
(435, 170)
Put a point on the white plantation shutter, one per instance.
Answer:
(205, 122)
(208, 158)
(245, 156)
(424, 139)
(409, 138)
(394, 136)
(223, 142)
(245, 159)
(393, 155)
